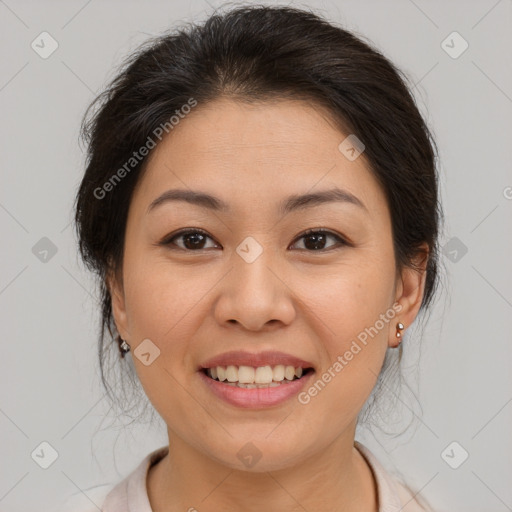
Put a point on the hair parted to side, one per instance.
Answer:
(254, 53)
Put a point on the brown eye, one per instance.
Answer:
(192, 239)
(315, 239)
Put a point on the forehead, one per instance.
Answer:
(255, 152)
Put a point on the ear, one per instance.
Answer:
(115, 286)
(409, 293)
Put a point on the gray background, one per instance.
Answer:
(50, 382)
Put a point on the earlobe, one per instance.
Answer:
(410, 291)
(116, 290)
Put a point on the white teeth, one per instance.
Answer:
(264, 375)
(289, 372)
(242, 385)
(232, 373)
(253, 386)
(246, 374)
(250, 377)
(278, 372)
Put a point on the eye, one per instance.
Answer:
(194, 239)
(316, 239)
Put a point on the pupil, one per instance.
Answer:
(318, 239)
(196, 238)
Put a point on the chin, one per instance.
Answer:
(260, 452)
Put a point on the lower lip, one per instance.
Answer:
(254, 398)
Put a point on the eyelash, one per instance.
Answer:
(168, 241)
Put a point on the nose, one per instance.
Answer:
(255, 296)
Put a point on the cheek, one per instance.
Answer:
(352, 297)
(349, 308)
(161, 298)
(161, 307)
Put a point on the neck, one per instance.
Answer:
(338, 478)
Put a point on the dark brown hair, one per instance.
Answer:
(254, 54)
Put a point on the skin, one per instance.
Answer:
(312, 304)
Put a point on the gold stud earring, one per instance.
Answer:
(399, 327)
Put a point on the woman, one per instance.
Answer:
(261, 207)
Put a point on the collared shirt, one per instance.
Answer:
(130, 495)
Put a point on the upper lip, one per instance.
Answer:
(267, 358)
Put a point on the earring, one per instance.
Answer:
(124, 348)
(399, 327)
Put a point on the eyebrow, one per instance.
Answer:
(292, 203)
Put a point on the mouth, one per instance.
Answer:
(255, 380)
(260, 377)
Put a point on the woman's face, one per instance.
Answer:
(250, 281)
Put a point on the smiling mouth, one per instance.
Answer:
(251, 377)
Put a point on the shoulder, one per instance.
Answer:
(408, 500)
(393, 494)
(90, 500)
(115, 497)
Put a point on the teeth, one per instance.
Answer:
(253, 386)
(246, 375)
(250, 377)
(264, 375)
(279, 373)
(232, 373)
(289, 372)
